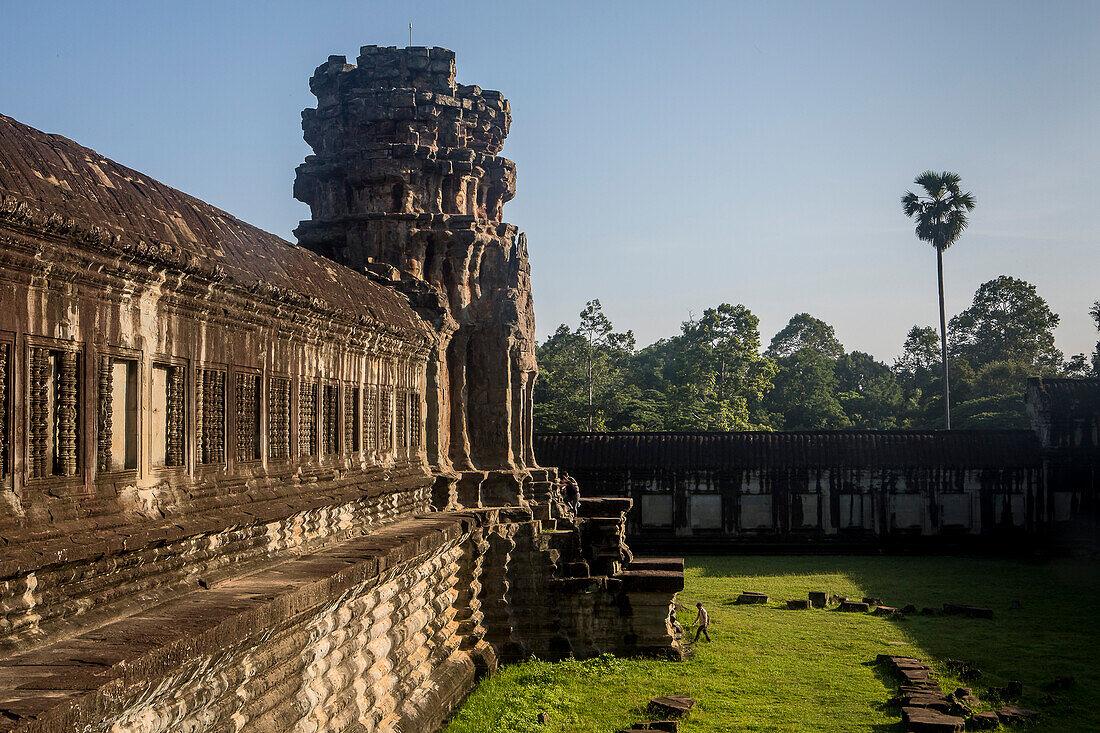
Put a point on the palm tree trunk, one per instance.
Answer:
(943, 345)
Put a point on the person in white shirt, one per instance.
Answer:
(702, 620)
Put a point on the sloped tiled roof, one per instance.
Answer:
(54, 177)
(821, 449)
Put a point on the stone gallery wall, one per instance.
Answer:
(792, 491)
(246, 487)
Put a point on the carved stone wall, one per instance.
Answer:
(406, 182)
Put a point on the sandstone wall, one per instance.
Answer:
(406, 175)
(792, 491)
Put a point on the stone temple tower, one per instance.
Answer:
(406, 183)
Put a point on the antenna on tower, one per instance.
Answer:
(410, 33)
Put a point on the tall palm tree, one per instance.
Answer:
(941, 216)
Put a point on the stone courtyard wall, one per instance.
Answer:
(796, 491)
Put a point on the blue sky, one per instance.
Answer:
(671, 156)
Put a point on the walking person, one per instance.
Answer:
(702, 620)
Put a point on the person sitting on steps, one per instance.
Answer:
(572, 492)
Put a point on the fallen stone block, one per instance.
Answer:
(922, 676)
(667, 726)
(871, 601)
(1014, 690)
(984, 721)
(750, 598)
(1012, 715)
(909, 608)
(885, 611)
(959, 609)
(929, 699)
(925, 720)
(798, 604)
(854, 607)
(1061, 683)
(819, 599)
(672, 706)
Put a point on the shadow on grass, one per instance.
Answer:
(1044, 625)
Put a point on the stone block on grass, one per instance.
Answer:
(984, 721)
(925, 720)
(752, 598)
(798, 604)
(1013, 715)
(672, 706)
(819, 599)
(853, 607)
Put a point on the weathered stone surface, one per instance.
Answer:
(925, 720)
(667, 726)
(672, 706)
(1013, 715)
(957, 609)
(752, 598)
(985, 720)
(798, 604)
(819, 599)
(1063, 682)
(853, 607)
(885, 611)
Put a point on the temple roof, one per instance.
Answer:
(53, 175)
(812, 449)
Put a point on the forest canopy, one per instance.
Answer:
(715, 374)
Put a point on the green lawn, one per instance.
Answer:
(770, 669)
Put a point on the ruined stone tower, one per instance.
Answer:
(406, 175)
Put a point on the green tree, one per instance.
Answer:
(715, 373)
(869, 393)
(1008, 321)
(581, 383)
(803, 330)
(941, 216)
(805, 395)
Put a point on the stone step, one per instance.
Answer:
(924, 720)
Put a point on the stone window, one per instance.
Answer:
(117, 446)
(414, 419)
(352, 412)
(54, 425)
(278, 418)
(248, 416)
(167, 415)
(370, 419)
(210, 416)
(307, 419)
(402, 419)
(385, 419)
(328, 418)
(5, 429)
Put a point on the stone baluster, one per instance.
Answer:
(67, 414)
(103, 445)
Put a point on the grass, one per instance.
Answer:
(770, 669)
